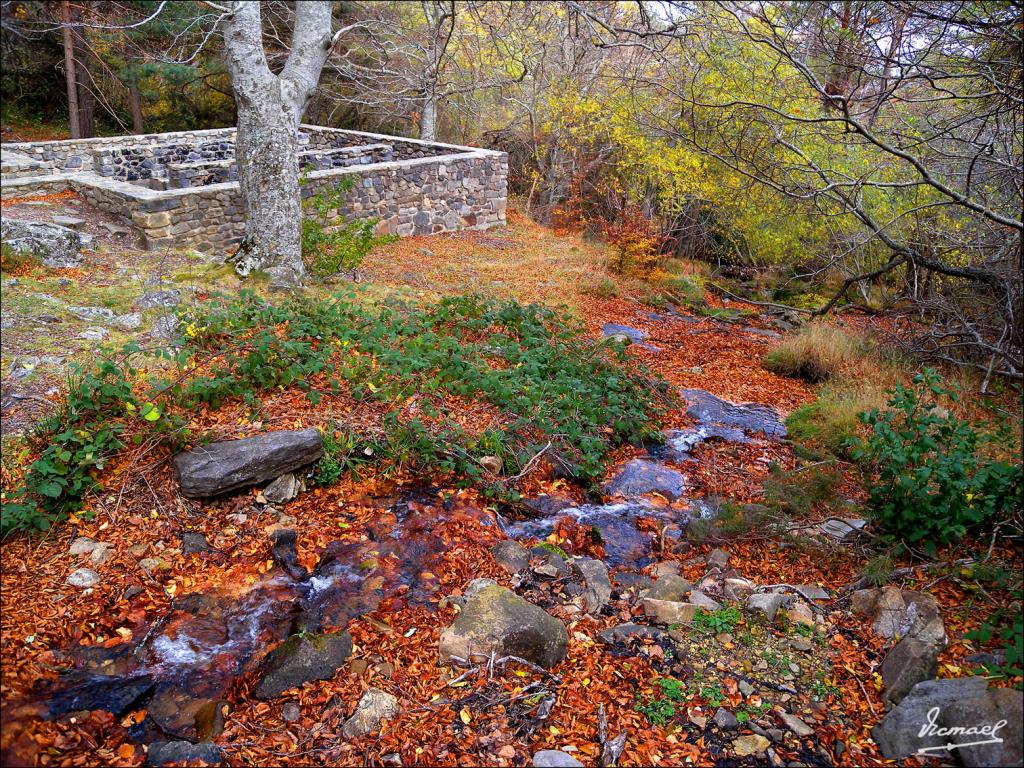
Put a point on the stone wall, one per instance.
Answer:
(442, 188)
(79, 154)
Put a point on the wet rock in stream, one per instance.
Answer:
(616, 524)
(707, 409)
(302, 659)
(640, 477)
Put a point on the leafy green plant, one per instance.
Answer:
(558, 392)
(330, 250)
(553, 391)
(927, 481)
(344, 452)
(605, 288)
(713, 694)
(78, 440)
(724, 620)
(672, 688)
(1007, 627)
(657, 711)
(661, 710)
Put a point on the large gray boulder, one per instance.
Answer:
(301, 659)
(896, 612)
(220, 468)
(511, 555)
(999, 705)
(55, 246)
(496, 620)
(901, 733)
(641, 476)
(671, 587)
(907, 664)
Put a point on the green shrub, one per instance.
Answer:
(605, 288)
(686, 290)
(78, 440)
(829, 423)
(926, 479)
(344, 452)
(16, 262)
(554, 390)
(342, 247)
(533, 365)
(661, 710)
(1008, 628)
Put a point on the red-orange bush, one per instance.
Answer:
(636, 241)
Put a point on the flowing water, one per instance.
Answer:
(183, 666)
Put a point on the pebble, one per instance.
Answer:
(746, 688)
(750, 745)
(800, 643)
(796, 725)
(291, 712)
(84, 578)
(82, 545)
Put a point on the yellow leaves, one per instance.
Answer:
(465, 716)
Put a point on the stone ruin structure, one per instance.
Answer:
(181, 190)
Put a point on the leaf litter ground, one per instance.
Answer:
(492, 716)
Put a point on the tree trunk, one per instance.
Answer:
(266, 146)
(440, 25)
(135, 100)
(83, 78)
(428, 120)
(69, 70)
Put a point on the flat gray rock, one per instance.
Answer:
(374, 706)
(843, 529)
(231, 465)
(55, 246)
(70, 222)
(598, 590)
(767, 603)
(285, 488)
(555, 758)
(706, 409)
(93, 314)
(622, 632)
(639, 477)
(900, 733)
(167, 298)
(84, 578)
(165, 752)
(511, 555)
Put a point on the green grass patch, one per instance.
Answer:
(550, 389)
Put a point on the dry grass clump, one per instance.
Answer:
(815, 353)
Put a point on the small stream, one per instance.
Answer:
(186, 662)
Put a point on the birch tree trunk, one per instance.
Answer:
(438, 15)
(270, 108)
